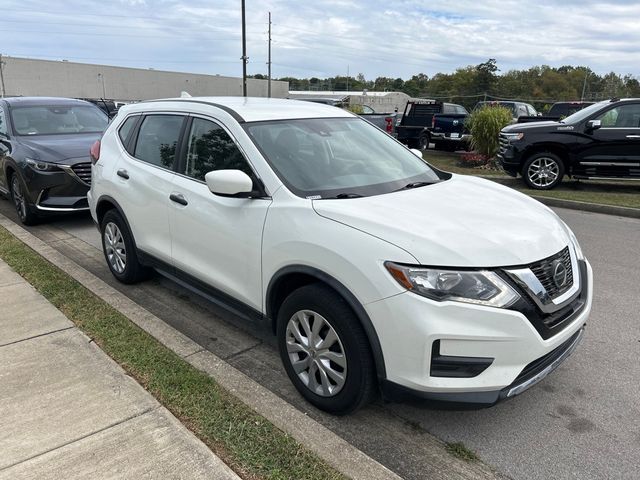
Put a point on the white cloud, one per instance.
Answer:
(325, 37)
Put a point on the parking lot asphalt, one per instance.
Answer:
(582, 422)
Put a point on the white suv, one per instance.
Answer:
(374, 269)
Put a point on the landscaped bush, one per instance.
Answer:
(485, 124)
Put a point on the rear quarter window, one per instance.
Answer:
(124, 132)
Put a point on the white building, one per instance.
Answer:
(381, 102)
(31, 77)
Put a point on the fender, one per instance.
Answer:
(353, 302)
(112, 201)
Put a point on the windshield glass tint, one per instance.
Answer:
(584, 113)
(55, 120)
(330, 157)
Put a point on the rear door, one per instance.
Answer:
(145, 177)
(614, 149)
(217, 240)
(4, 147)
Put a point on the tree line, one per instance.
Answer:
(539, 85)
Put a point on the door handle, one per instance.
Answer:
(178, 198)
(123, 174)
(634, 137)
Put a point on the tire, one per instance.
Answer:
(119, 249)
(20, 201)
(347, 356)
(423, 142)
(543, 171)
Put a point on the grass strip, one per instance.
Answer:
(247, 442)
(602, 192)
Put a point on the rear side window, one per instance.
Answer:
(125, 130)
(158, 139)
(210, 148)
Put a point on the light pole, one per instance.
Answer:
(269, 62)
(244, 54)
(101, 79)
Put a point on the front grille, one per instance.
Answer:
(544, 271)
(83, 171)
(504, 143)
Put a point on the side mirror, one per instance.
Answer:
(416, 152)
(594, 124)
(229, 183)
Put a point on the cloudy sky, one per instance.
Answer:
(394, 38)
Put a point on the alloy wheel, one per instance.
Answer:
(543, 171)
(19, 199)
(114, 247)
(316, 353)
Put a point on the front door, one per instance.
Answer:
(615, 147)
(216, 239)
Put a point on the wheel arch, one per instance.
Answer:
(561, 151)
(106, 203)
(289, 278)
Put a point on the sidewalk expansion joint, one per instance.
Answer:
(237, 354)
(79, 439)
(38, 336)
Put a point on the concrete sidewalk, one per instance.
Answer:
(68, 411)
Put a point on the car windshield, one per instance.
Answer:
(585, 113)
(338, 158)
(55, 120)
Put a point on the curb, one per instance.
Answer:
(572, 204)
(337, 452)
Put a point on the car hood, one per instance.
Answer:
(523, 127)
(461, 222)
(57, 148)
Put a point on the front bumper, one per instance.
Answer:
(64, 190)
(408, 325)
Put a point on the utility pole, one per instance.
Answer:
(2, 93)
(347, 78)
(244, 53)
(269, 62)
(584, 86)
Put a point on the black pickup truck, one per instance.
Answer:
(558, 111)
(415, 127)
(599, 141)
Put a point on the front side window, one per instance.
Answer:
(211, 148)
(158, 139)
(55, 120)
(338, 157)
(623, 116)
(3, 122)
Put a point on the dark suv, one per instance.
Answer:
(599, 141)
(45, 166)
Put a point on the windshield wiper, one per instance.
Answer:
(414, 185)
(347, 195)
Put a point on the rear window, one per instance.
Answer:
(158, 139)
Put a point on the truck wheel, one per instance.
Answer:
(423, 142)
(325, 351)
(543, 171)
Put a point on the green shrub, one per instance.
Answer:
(485, 124)
(355, 108)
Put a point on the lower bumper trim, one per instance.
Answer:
(532, 374)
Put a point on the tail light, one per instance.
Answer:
(433, 122)
(95, 152)
(389, 124)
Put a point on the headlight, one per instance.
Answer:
(576, 245)
(512, 137)
(43, 166)
(480, 287)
